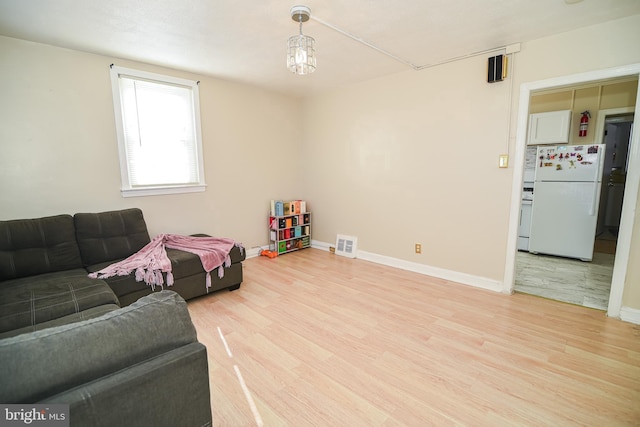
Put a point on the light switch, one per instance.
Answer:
(504, 161)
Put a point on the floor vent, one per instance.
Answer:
(346, 246)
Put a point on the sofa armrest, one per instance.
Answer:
(166, 391)
(41, 364)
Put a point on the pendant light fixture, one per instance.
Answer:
(301, 55)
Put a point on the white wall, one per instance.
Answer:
(413, 158)
(59, 150)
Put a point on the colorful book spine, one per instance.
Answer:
(294, 207)
(279, 208)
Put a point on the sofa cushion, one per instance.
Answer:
(110, 236)
(37, 299)
(30, 247)
(183, 265)
(44, 363)
(89, 313)
(121, 285)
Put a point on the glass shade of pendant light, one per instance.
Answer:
(301, 54)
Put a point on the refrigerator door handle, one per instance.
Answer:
(594, 200)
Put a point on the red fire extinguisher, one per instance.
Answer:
(584, 123)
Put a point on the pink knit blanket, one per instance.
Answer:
(151, 261)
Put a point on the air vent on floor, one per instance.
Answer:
(346, 246)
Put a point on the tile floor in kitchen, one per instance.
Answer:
(569, 280)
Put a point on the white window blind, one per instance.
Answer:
(158, 133)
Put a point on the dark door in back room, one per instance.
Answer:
(617, 138)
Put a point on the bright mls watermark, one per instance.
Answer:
(54, 415)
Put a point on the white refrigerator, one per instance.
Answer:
(566, 197)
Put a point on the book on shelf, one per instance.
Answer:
(292, 207)
(298, 231)
(279, 208)
(288, 222)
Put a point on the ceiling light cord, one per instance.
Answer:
(364, 42)
(396, 57)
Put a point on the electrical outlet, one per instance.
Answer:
(418, 248)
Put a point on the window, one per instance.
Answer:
(158, 126)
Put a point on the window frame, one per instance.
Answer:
(127, 189)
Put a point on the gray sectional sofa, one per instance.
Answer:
(44, 264)
(140, 365)
(115, 350)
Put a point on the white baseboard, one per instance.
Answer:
(453, 276)
(631, 315)
(255, 251)
(321, 245)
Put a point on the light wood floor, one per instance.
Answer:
(314, 339)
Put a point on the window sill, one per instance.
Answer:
(159, 191)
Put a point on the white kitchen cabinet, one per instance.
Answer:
(549, 128)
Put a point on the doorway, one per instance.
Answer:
(570, 280)
(615, 127)
(623, 245)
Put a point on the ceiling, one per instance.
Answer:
(245, 41)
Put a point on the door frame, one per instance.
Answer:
(603, 114)
(630, 193)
